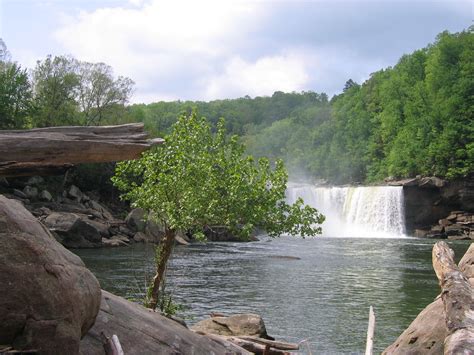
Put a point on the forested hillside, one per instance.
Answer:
(413, 118)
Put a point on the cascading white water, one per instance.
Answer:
(371, 211)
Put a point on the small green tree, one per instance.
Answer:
(201, 179)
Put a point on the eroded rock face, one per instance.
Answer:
(49, 299)
(427, 200)
(142, 331)
(237, 325)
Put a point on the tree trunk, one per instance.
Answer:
(54, 149)
(166, 247)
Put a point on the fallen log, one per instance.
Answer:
(458, 301)
(47, 150)
(427, 333)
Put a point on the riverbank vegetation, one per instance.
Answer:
(413, 118)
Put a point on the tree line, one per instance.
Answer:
(60, 90)
(413, 118)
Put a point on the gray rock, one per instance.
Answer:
(31, 192)
(101, 226)
(19, 193)
(75, 231)
(75, 193)
(35, 181)
(101, 209)
(126, 231)
(45, 196)
(238, 325)
(49, 299)
(4, 182)
(142, 331)
(136, 220)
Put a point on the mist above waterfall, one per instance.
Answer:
(366, 211)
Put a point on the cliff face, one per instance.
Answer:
(428, 200)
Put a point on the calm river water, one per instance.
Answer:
(324, 296)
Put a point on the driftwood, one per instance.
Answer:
(457, 296)
(54, 149)
(111, 345)
(254, 344)
(370, 333)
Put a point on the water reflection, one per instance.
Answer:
(324, 296)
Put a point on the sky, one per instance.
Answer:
(207, 50)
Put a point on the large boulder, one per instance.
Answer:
(236, 325)
(142, 331)
(49, 299)
(74, 230)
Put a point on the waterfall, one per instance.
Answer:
(368, 211)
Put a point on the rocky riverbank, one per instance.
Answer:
(78, 219)
(457, 225)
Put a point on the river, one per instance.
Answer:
(324, 296)
(318, 289)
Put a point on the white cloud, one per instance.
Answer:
(161, 40)
(262, 77)
(228, 48)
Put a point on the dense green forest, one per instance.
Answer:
(413, 118)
